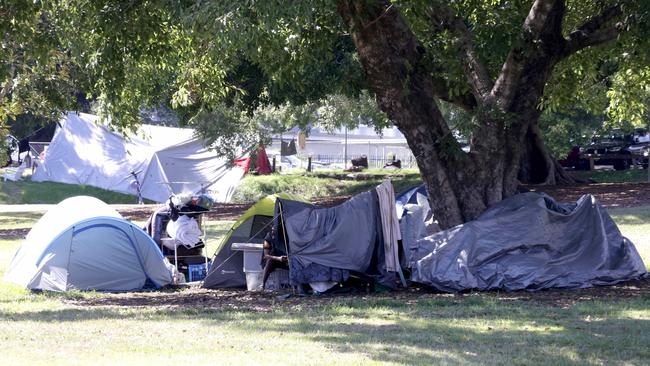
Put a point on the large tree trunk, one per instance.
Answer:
(507, 141)
(461, 186)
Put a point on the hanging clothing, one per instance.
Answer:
(301, 140)
(288, 148)
(390, 225)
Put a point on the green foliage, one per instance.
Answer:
(630, 98)
(28, 192)
(228, 127)
(337, 110)
(237, 70)
(37, 75)
(564, 130)
(611, 79)
(614, 176)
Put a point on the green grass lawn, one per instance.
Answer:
(614, 176)
(251, 189)
(440, 329)
(476, 330)
(309, 185)
(28, 192)
(634, 223)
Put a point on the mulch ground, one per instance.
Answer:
(241, 300)
(609, 195)
(222, 211)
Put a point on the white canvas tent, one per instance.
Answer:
(84, 244)
(167, 160)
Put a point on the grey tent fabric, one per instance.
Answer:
(348, 237)
(529, 242)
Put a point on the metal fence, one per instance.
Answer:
(374, 161)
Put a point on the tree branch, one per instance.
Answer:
(593, 32)
(539, 17)
(466, 101)
(479, 80)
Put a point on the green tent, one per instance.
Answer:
(227, 265)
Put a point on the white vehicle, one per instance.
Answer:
(641, 136)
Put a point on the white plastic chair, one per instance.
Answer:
(14, 173)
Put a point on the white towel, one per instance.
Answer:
(185, 230)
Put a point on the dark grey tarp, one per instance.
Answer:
(529, 242)
(348, 236)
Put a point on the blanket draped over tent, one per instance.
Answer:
(167, 160)
(528, 242)
(330, 242)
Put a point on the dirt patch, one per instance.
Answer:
(221, 211)
(608, 194)
(225, 299)
(9, 234)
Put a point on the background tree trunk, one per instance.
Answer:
(538, 165)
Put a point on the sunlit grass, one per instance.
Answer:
(634, 223)
(614, 176)
(26, 192)
(481, 330)
(309, 186)
(251, 189)
(10, 220)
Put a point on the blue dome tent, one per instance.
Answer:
(84, 244)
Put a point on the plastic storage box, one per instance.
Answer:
(277, 280)
(196, 272)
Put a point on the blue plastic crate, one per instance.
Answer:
(196, 272)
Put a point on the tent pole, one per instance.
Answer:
(286, 246)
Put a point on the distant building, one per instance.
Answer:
(333, 147)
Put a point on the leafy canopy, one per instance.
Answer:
(229, 66)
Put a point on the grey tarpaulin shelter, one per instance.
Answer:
(528, 242)
(84, 244)
(326, 244)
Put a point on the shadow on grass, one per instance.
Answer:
(479, 331)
